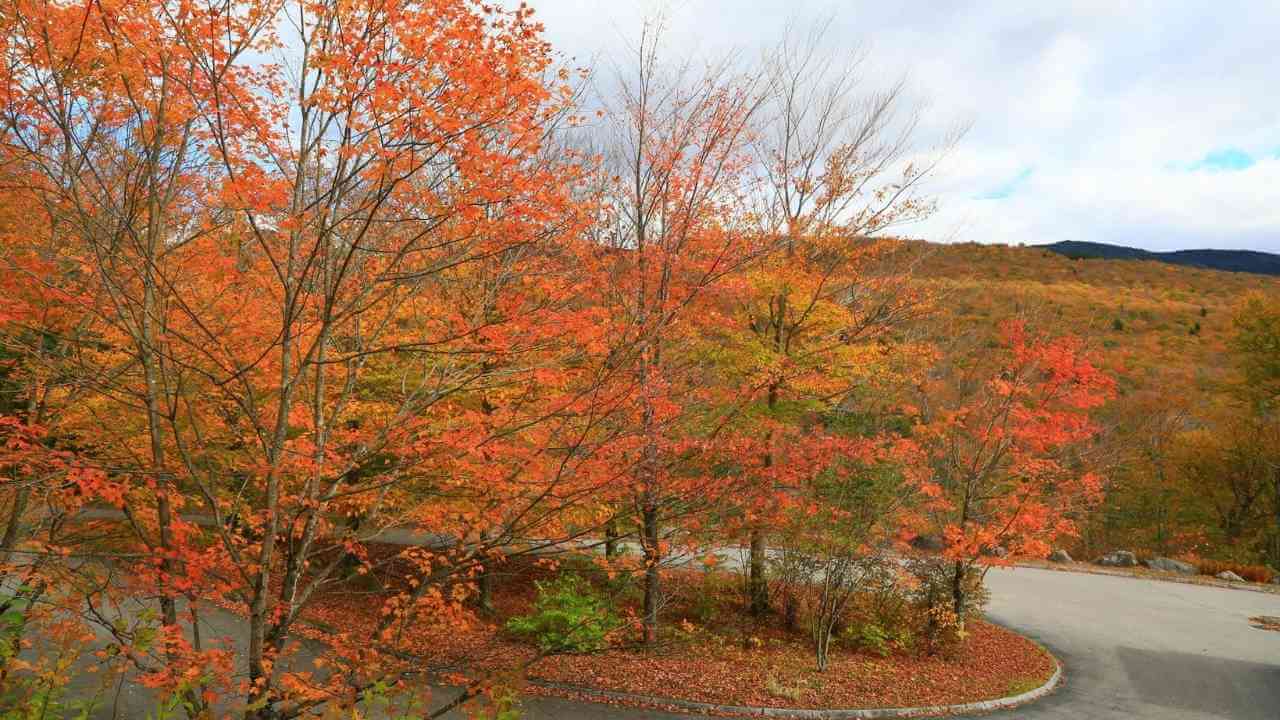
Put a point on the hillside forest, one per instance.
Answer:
(371, 302)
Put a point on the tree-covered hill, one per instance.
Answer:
(1248, 261)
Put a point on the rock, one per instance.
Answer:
(932, 543)
(997, 552)
(1170, 565)
(1060, 556)
(1229, 576)
(1275, 580)
(1118, 558)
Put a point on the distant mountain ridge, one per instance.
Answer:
(1250, 261)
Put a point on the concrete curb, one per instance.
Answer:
(815, 714)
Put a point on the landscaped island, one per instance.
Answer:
(571, 626)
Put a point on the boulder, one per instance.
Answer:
(1118, 558)
(932, 543)
(1229, 576)
(1060, 556)
(1276, 580)
(996, 552)
(1165, 564)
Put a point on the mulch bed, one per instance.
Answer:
(993, 663)
(729, 660)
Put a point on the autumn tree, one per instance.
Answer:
(1257, 348)
(837, 167)
(1002, 435)
(673, 146)
(44, 483)
(1228, 463)
(314, 296)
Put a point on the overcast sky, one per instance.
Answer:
(1153, 124)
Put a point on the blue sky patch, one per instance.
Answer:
(1225, 160)
(1007, 188)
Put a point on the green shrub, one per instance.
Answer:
(870, 637)
(568, 616)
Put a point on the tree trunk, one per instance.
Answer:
(652, 558)
(484, 585)
(957, 593)
(757, 587)
(611, 538)
(822, 647)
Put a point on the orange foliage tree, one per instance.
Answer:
(1002, 439)
(836, 165)
(310, 300)
(671, 232)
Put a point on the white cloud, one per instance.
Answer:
(1103, 99)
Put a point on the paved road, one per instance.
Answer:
(1132, 648)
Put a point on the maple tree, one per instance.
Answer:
(674, 165)
(837, 168)
(1000, 438)
(309, 300)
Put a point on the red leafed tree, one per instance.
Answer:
(311, 300)
(1005, 438)
(674, 162)
(44, 484)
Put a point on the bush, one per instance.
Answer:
(886, 602)
(568, 616)
(870, 637)
(1252, 573)
(941, 628)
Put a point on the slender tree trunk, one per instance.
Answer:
(484, 583)
(484, 588)
(957, 592)
(611, 537)
(790, 609)
(652, 560)
(757, 587)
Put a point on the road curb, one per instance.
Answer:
(815, 714)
